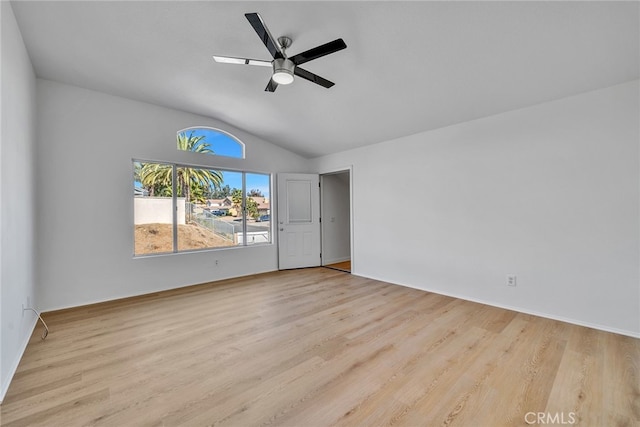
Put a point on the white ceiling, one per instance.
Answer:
(408, 67)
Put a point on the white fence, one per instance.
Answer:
(151, 210)
(219, 227)
(254, 237)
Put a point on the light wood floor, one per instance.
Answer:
(343, 266)
(318, 347)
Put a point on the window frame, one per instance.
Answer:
(174, 206)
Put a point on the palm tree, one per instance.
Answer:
(236, 199)
(205, 179)
(158, 176)
(193, 143)
(155, 177)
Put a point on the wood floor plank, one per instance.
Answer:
(317, 347)
(343, 266)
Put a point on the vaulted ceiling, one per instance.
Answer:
(409, 66)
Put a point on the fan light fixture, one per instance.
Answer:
(283, 71)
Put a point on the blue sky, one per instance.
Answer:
(258, 181)
(225, 145)
(221, 143)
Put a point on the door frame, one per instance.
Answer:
(332, 171)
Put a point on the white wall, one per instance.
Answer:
(86, 142)
(16, 197)
(549, 193)
(336, 218)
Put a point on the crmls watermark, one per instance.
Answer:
(555, 418)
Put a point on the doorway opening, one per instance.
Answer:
(335, 225)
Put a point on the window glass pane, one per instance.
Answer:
(153, 208)
(210, 141)
(258, 200)
(212, 208)
(212, 215)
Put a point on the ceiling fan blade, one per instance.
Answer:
(241, 61)
(271, 86)
(263, 32)
(319, 51)
(301, 72)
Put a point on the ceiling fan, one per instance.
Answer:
(284, 67)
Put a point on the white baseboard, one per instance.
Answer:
(16, 362)
(518, 309)
(48, 309)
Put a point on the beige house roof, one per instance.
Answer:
(226, 202)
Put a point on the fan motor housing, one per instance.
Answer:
(283, 70)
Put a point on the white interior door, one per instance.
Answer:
(298, 220)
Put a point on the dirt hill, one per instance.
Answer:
(158, 238)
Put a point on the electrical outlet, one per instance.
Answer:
(216, 262)
(511, 280)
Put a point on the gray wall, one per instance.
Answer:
(86, 142)
(549, 193)
(336, 231)
(17, 202)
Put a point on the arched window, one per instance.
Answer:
(182, 207)
(211, 141)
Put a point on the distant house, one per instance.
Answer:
(264, 206)
(224, 205)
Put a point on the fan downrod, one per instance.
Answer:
(284, 42)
